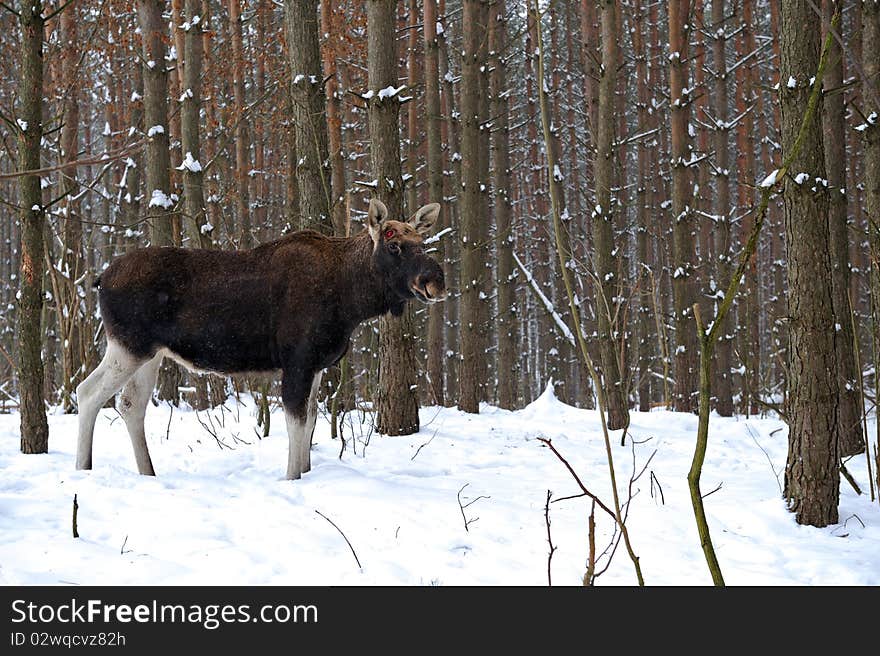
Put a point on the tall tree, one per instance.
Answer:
(723, 352)
(197, 230)
(683, 277)
(507, 371)
(309, 117)
(397, 404)
(473, 232)
(871, 67)
(160, 207)
(811, 473)
(849, 412)
(158, 164)
(434, 121)
(242, 151)
(34, 428)
(605, 262)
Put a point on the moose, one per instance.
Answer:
(288, 305)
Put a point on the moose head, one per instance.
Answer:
(399, 256)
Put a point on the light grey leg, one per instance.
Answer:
(311, 419)
(296, 430)
(108, 378)
(133, 404)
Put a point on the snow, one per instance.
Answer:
(217, 515)
(792, 83)
(156, 129)
(190, 164)
(160, 199)
(390, 92)
(801, 178)
(22, 124)
(770, 180)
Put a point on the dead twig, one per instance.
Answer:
(549, 538)
(347, 541)
(465, 505)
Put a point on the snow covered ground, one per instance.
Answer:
(226, 515)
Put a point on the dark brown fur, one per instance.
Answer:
(291, 304)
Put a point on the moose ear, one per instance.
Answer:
(375, 217)
(424, 219)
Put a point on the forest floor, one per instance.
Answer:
(460, 503)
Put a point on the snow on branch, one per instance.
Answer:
(548, 305)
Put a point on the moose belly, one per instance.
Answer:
(221, 346)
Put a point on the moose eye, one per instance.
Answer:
(389, 234)
(393, 248)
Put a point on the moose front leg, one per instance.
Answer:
(296, 387)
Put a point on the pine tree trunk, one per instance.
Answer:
(849, 413)
(748, 329)
(434, 122)
(70, 321)
(242, 143)
(34, 428)
(684, 276)
(811, 474)
(160, 207)
(871, 66)
(331, 29)
(474, 180)
(397, 404)
(646, 338)
(603, 223)
(309, 116)
(723, 350)
(507, 370)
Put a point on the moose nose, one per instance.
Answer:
(432, 286)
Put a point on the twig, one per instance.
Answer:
(122, 550)
(75, 511)
(423, 445)
(463, 506)
(577, 480)
(850, 479)
(654, 479)
(590, 574)
(345, 538)
(714, 491)
(549, 539)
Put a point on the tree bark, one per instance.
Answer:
(683, 276)
(472, 235)
(242, 142)
(397, 404)
(849, 411)
(811, 474)
(34, 427)
(434, 121)
(723, 352)
(309, 116)
(158, 164)
(507, 370)
(871, 67)
(604, 258)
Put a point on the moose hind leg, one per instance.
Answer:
(133, 404)
(295, 388)
(108, 378)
